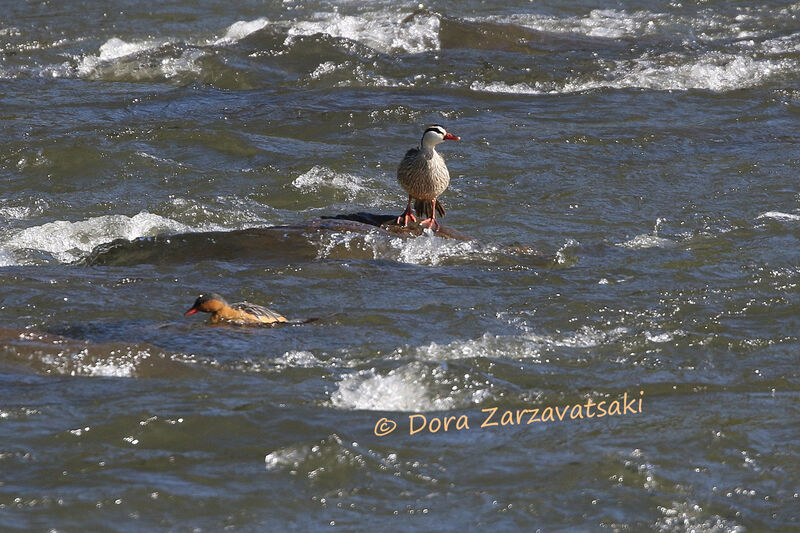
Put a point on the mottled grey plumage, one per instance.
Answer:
(423, 173)
(256, 310)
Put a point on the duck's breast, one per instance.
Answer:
(423, 175)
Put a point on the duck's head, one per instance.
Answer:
(210, 302)
(436, 134)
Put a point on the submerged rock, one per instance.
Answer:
(288, 243)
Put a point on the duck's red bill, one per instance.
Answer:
(451, 137)
(191, 311)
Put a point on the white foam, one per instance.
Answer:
(782, 45)
(287, 457)
(119, 364)
(121, 369)
(319, 177)
(323, 69)
(67, 241)
(604, 23)
(112, 54)
(659, 337)
(298, 359)
(586, 337)
(487, 345)
(432, 250)
(641, 242)
(186, 63)
(713, 71)
(777, 215)
(114, 49)
(402, 389)
(527, 346)
(427, 249)
(241, 29)
(380, 31)
(510, 88)
(15, 212)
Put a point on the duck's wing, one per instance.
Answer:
(259, 311)
(413, 163)
(412, 153)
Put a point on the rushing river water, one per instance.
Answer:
(629, 172)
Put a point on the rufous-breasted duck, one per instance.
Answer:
(243, 313)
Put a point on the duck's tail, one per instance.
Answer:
(423, 208)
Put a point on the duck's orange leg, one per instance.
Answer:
(431, 222)
(407, 215)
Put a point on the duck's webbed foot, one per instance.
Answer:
(407, 216)
(431, 222)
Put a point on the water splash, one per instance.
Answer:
(651, 240)
(402, 389)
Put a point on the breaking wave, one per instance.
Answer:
(778, 215)
(348, 186)
(713, 71)
(241, 29)
(68, 241)
(670, 51)
(384, 32)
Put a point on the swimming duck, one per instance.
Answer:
(424, 175)
(238, 313)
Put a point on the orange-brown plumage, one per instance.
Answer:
(243, 313)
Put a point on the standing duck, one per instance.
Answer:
(423, 174)
(243, 313)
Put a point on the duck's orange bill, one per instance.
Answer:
(451, 137)
(191, 311)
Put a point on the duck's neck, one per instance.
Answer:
(428, 150)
